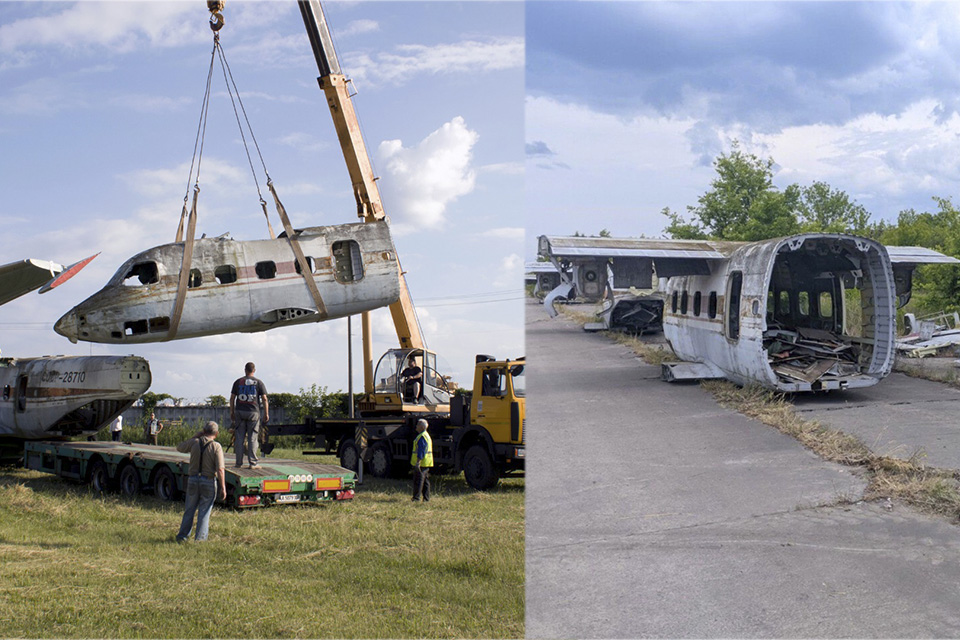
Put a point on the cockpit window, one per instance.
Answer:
(142, 273)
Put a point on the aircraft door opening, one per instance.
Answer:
(734, 287)
(21, 394)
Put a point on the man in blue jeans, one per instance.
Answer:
(206, 471)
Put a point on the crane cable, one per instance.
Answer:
(187, 236)
(191, 218)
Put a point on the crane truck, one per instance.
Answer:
(479, 432)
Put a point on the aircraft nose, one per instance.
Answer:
(67, 326)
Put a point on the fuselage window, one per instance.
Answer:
(266, 269)
(783, 304)
(195, 279)
(349, 263)
(141, 274)
(673, 302)
(225, 274)
(803, 303)
(733, 305)
(296, 264)
(684, 299)
(826, 304)
(697, 304)
(712, 305)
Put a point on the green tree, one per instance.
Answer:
(318, 403)
(605, 233)
(724, 210)
(831, 211)
(935, 287)
(216, 401)
(680, 229)
(150, 400)
(772, 214)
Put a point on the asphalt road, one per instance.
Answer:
(900, 416)
(653, 512)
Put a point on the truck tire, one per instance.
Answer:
(349, 455)
(130, 483)
(381, 460)
(99, 476)
(478, 468)
(165, 484)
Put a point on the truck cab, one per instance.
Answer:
(490, 422)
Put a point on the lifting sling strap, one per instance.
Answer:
(298, 252)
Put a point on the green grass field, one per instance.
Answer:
(74, 564)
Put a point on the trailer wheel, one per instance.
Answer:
(478, 468)
(165, 484)
(100, 477)
(130, 483)
(349, 455)
(381, 459)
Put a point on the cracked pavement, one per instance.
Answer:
(654, 512)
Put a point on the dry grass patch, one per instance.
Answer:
(655, 354)
(579, 313)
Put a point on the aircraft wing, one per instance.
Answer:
(19, 278)
(671, 257)
(539, 267)
(918, 255)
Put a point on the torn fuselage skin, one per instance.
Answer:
(799, 283)
(243, 286)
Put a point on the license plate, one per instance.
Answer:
(289, 497)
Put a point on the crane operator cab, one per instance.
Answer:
(408, 378)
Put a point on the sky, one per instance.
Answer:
(628, 103)
(99, 105)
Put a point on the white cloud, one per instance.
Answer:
(149, 104)
(118, 26)
(511, 272)
(469, 56)
(426, 178)
(506, 233)
(303, 141)
(504, 168)
(217, 174)
(356, 27)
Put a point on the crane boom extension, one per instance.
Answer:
(369, 207)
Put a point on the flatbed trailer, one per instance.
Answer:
(133, 468)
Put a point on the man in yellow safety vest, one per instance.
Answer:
(421, 459)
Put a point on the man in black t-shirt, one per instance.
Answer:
(245, 400)
(412, 379)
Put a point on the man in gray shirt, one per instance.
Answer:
(206, 473)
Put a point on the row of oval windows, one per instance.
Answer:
(348, 267)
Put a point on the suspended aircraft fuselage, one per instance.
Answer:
(242, 286)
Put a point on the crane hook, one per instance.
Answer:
(216, 18)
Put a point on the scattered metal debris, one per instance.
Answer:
(936, 334)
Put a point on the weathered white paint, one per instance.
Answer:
(124, 314)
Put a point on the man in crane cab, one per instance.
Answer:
(412, 379)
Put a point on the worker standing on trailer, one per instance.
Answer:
(421, 459)
(205, 477)
(245, 399)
